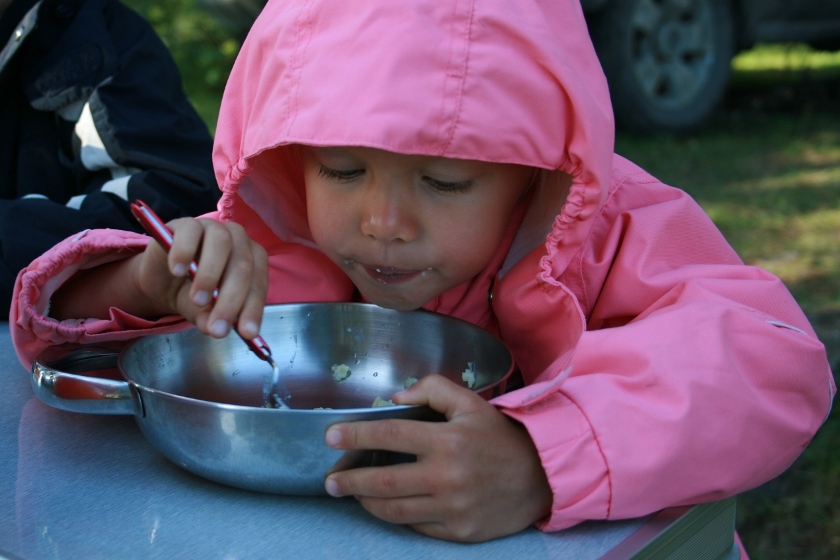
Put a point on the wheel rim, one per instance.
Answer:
(672, 49)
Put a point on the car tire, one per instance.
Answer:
(667, 62)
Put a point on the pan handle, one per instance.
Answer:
(55, 381)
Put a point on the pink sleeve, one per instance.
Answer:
(657, 414)
(696, 377)
(31, 327)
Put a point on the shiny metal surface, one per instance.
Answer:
(198, 400)
(58, 384)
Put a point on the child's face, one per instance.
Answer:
(407, 228)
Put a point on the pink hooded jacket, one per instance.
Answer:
(659, 369)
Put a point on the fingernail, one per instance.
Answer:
(219, 328)
(179, 269)
(201, 297)
(331, 487)
(249, 328)
(333, 437)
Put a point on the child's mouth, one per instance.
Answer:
(389, 275)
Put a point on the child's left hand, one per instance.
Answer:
(477, 476)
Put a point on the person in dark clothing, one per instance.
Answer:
(93, 115)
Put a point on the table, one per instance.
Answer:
(83, 486)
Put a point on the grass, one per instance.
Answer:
(766, 169)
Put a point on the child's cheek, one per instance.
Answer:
(330, 235)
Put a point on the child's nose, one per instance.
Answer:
(387, 216)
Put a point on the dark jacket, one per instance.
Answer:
(93, 115)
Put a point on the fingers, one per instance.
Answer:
(187, 235)
(230, 280)
(402, 436)
(250, 317)
(428, 506)
(441, 395)
(400, 480)
(477, 475)
(430, 442)
(228, 261)
(412, 437)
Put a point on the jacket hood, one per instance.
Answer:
(508, 81)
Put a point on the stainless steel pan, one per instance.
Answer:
(198, 399)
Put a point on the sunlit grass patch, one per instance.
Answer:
(802, 250)
(792, 56)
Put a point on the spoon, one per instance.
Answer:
(155, 227)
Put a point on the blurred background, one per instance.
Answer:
(763, 160)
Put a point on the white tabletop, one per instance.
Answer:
(84, 486)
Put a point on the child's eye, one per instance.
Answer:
(447, 186)
(338, 175)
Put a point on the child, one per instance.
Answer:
(458, 157)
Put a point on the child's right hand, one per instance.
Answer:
(478, 475)
(228, 260)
